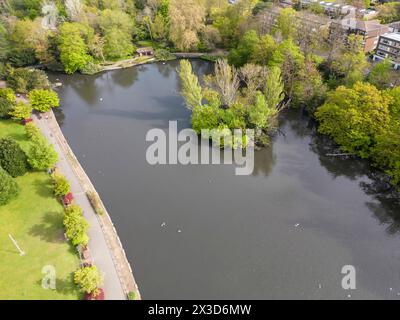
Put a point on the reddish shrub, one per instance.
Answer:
(99, 296)
(25, 121)
(68, 198)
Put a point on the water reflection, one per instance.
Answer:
(386, 209)
(125, 77)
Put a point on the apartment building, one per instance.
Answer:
(389, 47)
(369, 30)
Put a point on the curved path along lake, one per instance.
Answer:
(285, 231)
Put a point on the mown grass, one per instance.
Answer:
(34, 219)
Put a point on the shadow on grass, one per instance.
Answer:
(50, 229)
(65, 286)
(44, 188)
(20, 137)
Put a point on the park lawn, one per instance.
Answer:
(34, 219)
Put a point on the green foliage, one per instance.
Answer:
(76, 226)
(245, 49)
(287, 50)
(4, 43)
(21, 111)
(91, 68)
(191, 90)
(61, 185)
(12, 158)
(309, 90)
(389, 12)
(265, 49)
(131, 295)
(258, 114)
(8, 187)
(117, 44)
(23, 80)
(22, 47)
(32, 131)
(352, 63)
(286, 23)
(205, 117)
(27, 8)
(41, 155)
(274, 88)
(116, 19)
(386, 152)
(353, 117)
(317, 8)
(163, 55)
(7, 102)
(88, 279)
(395, 104)
(43, 100)
(73, 49)
(380, 74)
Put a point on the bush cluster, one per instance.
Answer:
(76, 225)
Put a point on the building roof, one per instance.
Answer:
(395, 24)
(146, 49)
(393, 36)
(368, 25)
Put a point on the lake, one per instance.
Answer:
(202, 232)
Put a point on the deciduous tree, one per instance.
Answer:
(12, 158)
(191, 90)
(8, 187)
(353, 117)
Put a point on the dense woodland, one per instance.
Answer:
(271, 62)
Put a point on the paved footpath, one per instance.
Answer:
(98, 246)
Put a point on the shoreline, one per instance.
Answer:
(120, 263)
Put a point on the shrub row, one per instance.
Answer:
(76, 225)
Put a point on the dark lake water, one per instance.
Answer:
(285, 231)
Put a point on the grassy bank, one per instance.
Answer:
(34, 219)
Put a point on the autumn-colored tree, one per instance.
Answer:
(186, 20)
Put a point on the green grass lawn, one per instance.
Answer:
(34, 219)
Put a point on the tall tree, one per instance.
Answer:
(352, 63)
(73, 49)
(186, 20)
(191, 90)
